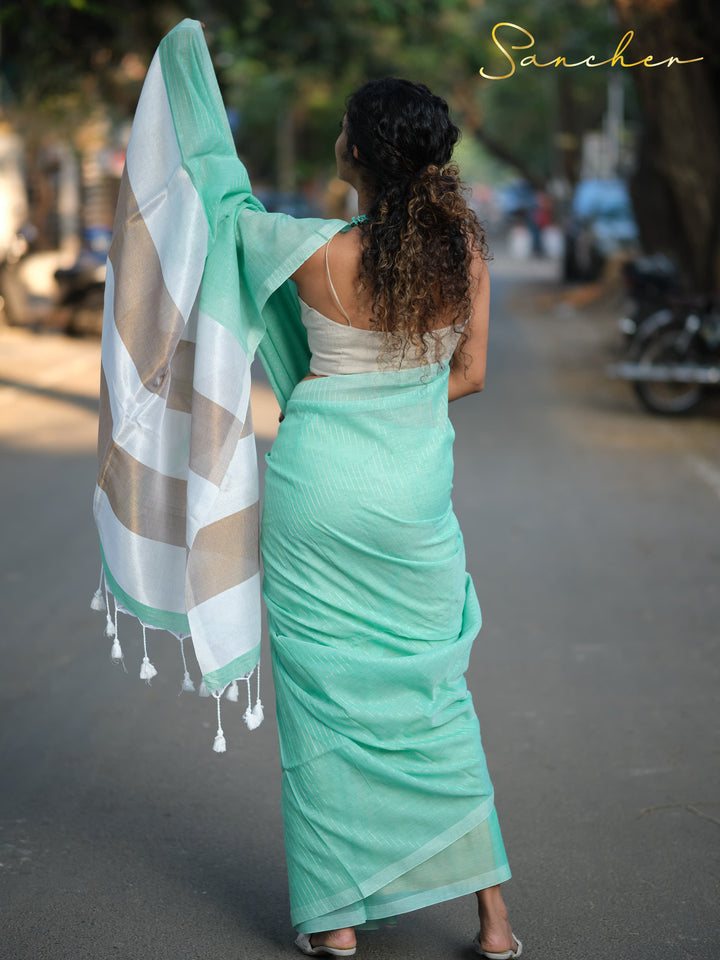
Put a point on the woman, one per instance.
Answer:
(387, 803)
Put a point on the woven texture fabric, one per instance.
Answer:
(387, 802)
(197, 281)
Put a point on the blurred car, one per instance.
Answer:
(600, 222)
(294, 204)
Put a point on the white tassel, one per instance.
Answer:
(203, 691)
(219, 746)
(147, 670)
(110, 630)
(232, 693)
(253, 718)
(187, 683)
(98, 602)
(116, 654)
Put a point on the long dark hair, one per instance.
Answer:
(420, 236)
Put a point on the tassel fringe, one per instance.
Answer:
(98, 602)
(253, 715)
(219, 745)
(147, 670)
(187, 684)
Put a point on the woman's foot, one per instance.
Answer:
(343, 939)
(496, 934)
(333, 942)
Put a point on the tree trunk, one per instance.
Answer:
(500, 151)
(569, 136)
(676, 186)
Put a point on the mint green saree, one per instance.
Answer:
(387, 802)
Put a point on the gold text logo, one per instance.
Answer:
(531, 60)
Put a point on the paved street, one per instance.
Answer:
(593, 536)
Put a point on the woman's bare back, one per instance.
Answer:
(344, 256)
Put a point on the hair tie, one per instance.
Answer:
(444, 176)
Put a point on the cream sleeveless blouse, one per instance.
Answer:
(337, 348)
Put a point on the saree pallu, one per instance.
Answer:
(387, 803)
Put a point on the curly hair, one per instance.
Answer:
(420, 236)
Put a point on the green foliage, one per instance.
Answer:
(53, 48)
(301, 58)
(536, 109)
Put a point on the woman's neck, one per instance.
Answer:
(366, 198)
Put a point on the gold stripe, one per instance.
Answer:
(224, 554)
(142, 295)
(105, 421)
(182, 369)
(215, 436)
(147, 502)
(247, 425)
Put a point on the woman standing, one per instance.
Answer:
(387, 802)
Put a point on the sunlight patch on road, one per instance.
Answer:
(45, 381)
(43, 425)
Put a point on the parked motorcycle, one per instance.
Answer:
(82, 286)
(651, 283)
(674, 357)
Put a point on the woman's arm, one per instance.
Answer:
(467, 369)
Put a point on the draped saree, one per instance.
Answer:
(387, 803)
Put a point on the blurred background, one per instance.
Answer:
(587, 166)
(587, 477)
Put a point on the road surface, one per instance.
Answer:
(593, 536)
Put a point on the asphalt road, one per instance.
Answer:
(593, 537)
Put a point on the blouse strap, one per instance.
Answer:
(332, 286)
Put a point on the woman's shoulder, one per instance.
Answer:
(340, 256)
(329, 280)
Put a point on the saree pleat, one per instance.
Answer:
(387, 802)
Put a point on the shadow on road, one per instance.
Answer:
(63, 396)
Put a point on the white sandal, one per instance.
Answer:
(507, 955)
(303, 943)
